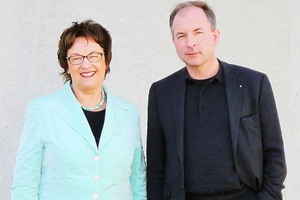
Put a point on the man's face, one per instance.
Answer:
(193, 38)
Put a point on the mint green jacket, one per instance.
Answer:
(58, 158)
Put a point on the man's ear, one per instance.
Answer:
(216, 34)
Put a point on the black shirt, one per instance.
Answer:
(96, 122)
(208, 156)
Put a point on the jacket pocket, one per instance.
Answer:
(250, 132)
(249, 154)
(250, 119)
(250, 138)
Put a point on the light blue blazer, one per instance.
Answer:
(58, 158)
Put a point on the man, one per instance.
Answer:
(213, 128)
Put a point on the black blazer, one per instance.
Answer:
(255, 133)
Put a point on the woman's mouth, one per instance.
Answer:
(87, 74)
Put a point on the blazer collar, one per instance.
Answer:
(234, 91)
(116, 112)
(70, 111)
(178, 101)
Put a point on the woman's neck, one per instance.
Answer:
(89, 98)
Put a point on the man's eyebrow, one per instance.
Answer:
(180, 33)
(199, 29)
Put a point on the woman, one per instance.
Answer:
(81, 142)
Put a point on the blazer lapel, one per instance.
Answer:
(178, 100)
(70, 111)
(234, 91)
(114, 115)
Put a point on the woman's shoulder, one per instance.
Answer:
(45, 98)
(41, 104)
(52, 97)
(117, 101)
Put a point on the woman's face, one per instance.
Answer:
(87, 75)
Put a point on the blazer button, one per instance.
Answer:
(96, 158)
(182, 187)
(96, 195)
(96, 177)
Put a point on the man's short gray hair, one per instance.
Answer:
(200, 4)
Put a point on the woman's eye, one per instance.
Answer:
(76, 58)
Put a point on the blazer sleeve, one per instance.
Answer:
(29, 157)
(138, 166)
(156, 150)
(274, 167)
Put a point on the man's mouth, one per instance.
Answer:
(192, 53)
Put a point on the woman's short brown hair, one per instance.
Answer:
(90, 30)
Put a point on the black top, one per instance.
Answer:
(208, 156)
(96, 122)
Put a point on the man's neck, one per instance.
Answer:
(204, 71)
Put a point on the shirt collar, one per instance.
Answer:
(219, 76)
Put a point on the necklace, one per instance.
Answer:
(97, 107)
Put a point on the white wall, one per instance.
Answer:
(262, 35)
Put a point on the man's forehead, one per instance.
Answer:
(189, 10)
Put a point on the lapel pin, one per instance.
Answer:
(241, 86)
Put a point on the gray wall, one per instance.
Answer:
(259, 34)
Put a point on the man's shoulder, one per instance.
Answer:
(238, 70)
(170, 78)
